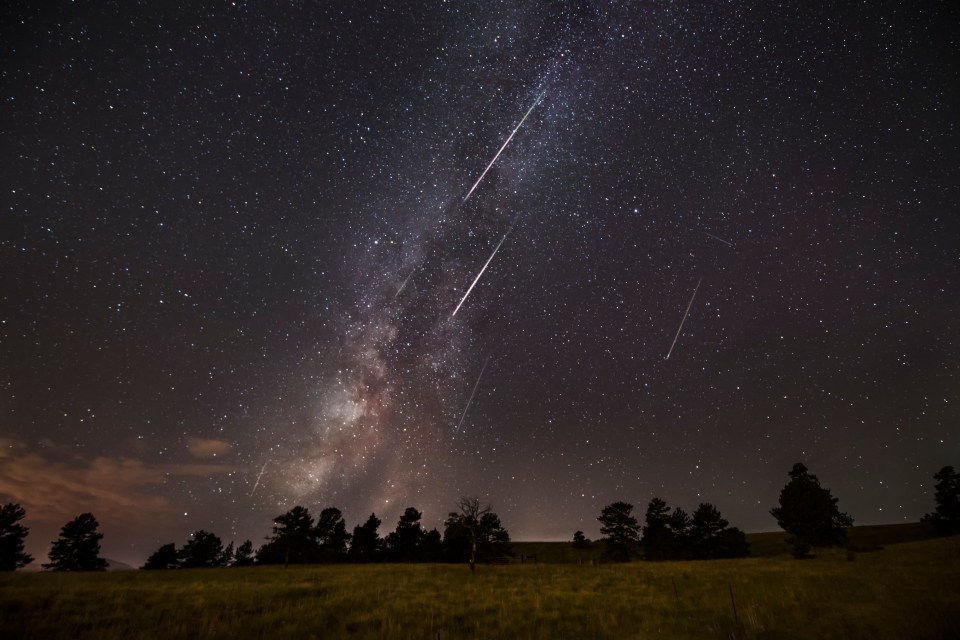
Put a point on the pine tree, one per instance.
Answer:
(366, 543)
(166, 557)
(405, 543)
(226, 558)
(706, 532)
(432, 546)
(331, 535)
(78, 547)
(657, 537)
(620, 531)
(946, 518)
(679, 524)
(809, 513)
(493, 539)
(244, 555)
(293, 539)
(12, 535)
(580, 541)
(203, 550)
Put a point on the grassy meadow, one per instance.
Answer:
(907, 590)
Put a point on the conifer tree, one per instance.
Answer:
(78, 547)
(12, 536)
(657, 537)
(166, 557)
(620, 531)
(809, 513)
(946, 518)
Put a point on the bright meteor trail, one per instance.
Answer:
(472, 393)
(685, 314)
(484, 268)
(509, 138)
(257, 483)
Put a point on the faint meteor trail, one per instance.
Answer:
(462, 300)
(472, 393)
(509, 138)
(685, 314)
(726, 242)
(257, 483)
(404, 284)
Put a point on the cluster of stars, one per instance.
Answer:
(242, 249)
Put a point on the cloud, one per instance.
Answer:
(6, 446)
(127, 495)
(53, 491)
(208, 447)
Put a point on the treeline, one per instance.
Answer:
(298, 538)
(474, 534)
(665, 535)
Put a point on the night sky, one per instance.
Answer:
(233, 239)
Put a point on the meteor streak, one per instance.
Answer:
(404, 284)
(509, 138)
(726, 242)
(685, 314)
(257, 483)
(472, 393)
(484, 268)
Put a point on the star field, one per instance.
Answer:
(234, 237)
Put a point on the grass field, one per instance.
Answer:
(908, 590)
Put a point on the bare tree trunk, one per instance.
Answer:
(473, 550)
(471, 514)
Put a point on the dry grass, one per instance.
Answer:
(907, 590)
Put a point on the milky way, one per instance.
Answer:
(235, 240)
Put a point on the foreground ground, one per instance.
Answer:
(908, 590)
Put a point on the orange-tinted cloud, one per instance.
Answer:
(208, 447)
(123, 493)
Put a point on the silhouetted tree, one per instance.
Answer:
(78, 547)
(166, 557)
(809, 513)
(679, 524)
(493, 539)
(657, 537)
(469, 520)
(581, 541)
(733, 544)
(712, 537)
(293, 539)
(432, 546)
(706, 529)
(12, 536)
(620, 531)
(946, 518)
(331, 535)
(366, 544)
(456, 539)
(203, 550)
(226, 558)
(474, 534)
(244, 555)
(405, 543)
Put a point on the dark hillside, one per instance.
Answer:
(766, 544)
